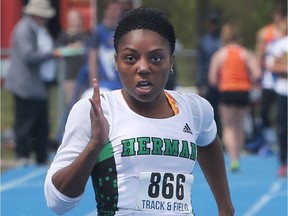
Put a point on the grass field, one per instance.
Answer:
(7, 118)
(6, 110)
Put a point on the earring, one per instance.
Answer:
(116, 68)
(171, 70)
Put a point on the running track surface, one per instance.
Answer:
(255, 191)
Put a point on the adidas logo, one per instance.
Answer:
(187, 129)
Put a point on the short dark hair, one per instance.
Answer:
(145, 18)
(213, 17)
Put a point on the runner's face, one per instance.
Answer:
(143, 60)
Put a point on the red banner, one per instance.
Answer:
(11, 11)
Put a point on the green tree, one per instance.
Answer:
(249, 15)
(188, 18)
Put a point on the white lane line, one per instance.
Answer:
(21, 180)
(275, 187)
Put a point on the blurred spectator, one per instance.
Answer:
(266, 36)
(207, 46)
(31, 66)
(101, 63)
(71, 42)
(233, 70)
(279, 67)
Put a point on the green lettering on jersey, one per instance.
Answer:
(193, 155)
(185, 150)
(128, 147)
(157, 146)
(171, 147)
(142, 146)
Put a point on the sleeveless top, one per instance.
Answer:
(234, 75)
(270, 37)
(270, 33)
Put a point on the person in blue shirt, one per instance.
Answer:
(208, 44)
(101, 51)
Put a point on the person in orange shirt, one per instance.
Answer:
(233, 71)
(265, 40)
(270, 32)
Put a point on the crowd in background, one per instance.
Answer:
(234, 79)
(227, 75)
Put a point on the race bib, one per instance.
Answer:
(165, 192)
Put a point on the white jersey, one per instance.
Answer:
(146, 167)
(281, 49)
(269, 79)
